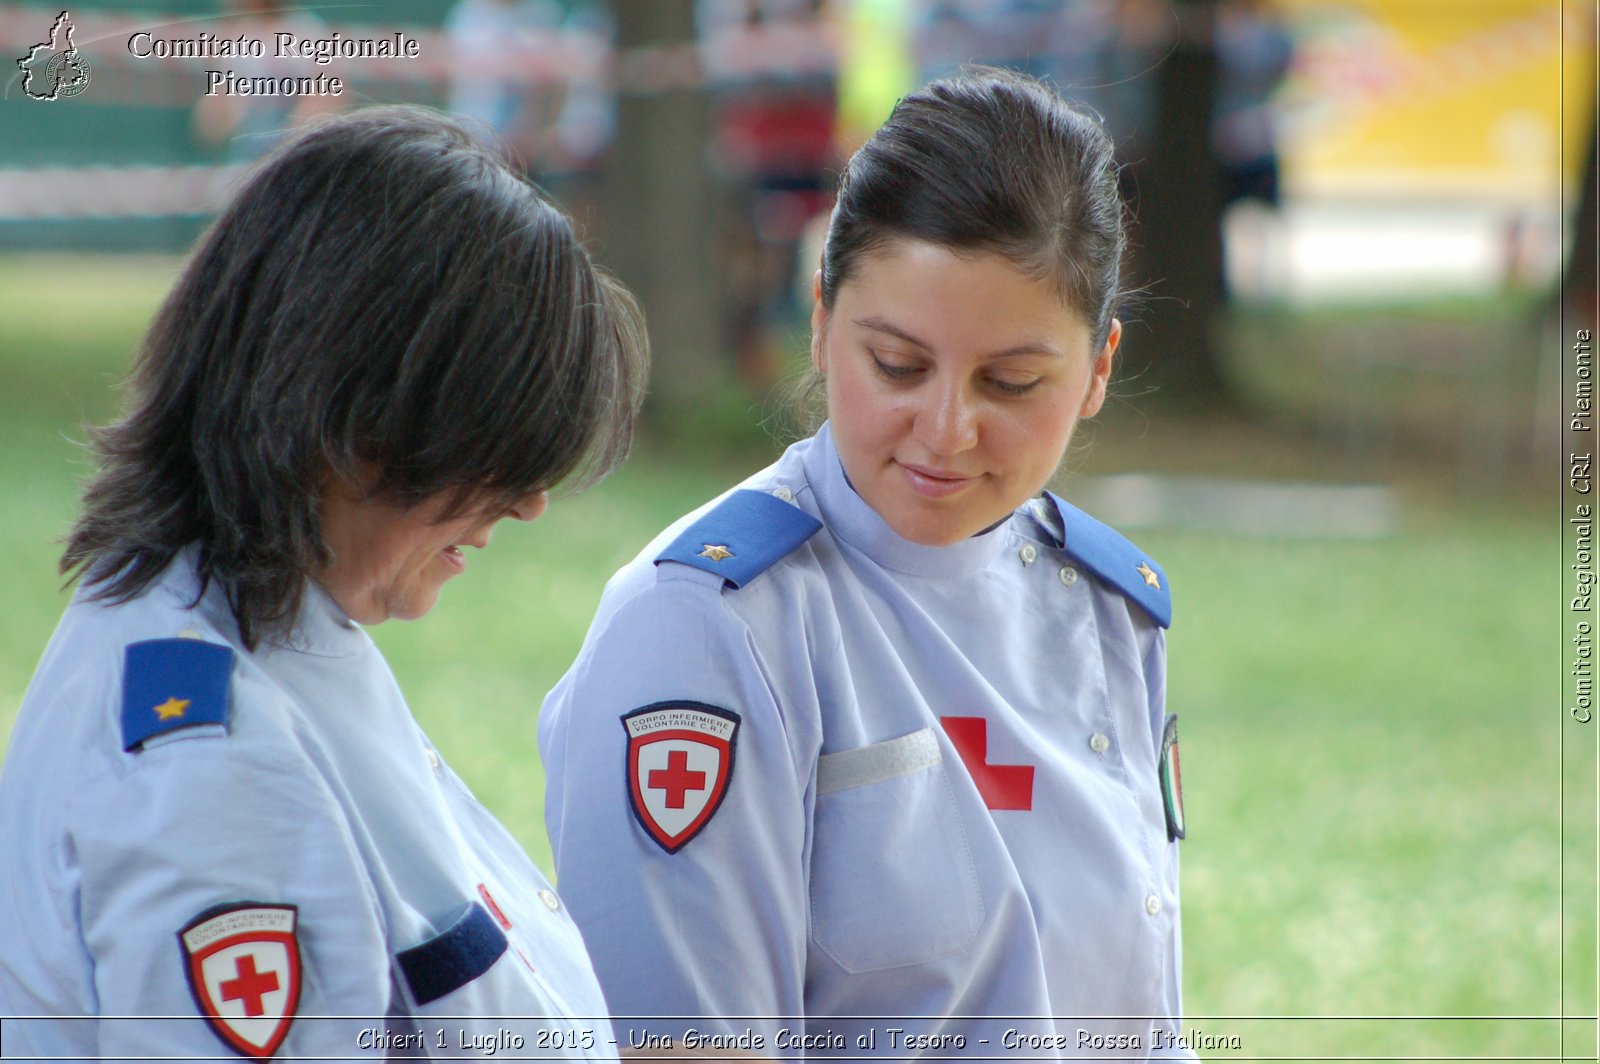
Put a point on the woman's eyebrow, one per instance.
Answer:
(1030, 348)
(877, 324)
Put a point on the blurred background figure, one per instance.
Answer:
(250, 125)
(493, 43)
(773, 146)
(534, 74)
(1017, 34)
(879, 51)
(1254, 51)
(1105, 53)
(587, 121)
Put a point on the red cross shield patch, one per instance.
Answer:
(680, 759)
(244, 972)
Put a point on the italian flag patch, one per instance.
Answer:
(1172, 780)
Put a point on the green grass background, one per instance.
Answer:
(1371, 729)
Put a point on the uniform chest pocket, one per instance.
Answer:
(892, 877)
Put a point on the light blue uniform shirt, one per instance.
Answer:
(305, 855)
(878, 787)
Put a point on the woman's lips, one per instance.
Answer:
(934, 483)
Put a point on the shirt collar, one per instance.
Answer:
(320, 628)
(852, 521)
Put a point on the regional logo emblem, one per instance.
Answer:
(679, 763)
(244, 972)
(55, 69)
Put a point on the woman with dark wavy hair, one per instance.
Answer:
(220, 822)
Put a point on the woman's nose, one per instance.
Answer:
(947, 423)
(529, 507)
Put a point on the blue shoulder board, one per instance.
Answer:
(742, 537)
(169, 684)
(1104, 552)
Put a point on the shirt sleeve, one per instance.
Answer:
(246, 840)
(711, 935)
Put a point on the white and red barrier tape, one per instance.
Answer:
(115, 192)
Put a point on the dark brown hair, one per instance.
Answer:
(990, 161)
(384, 293)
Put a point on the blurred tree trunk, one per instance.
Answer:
(1180, 222)
(656, 203)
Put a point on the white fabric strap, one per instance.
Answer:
(887, 760)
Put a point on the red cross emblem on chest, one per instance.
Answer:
(1002, 786)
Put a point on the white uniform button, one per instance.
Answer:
(783, 493)
(1069, 576)
(1152, 905)
(1027, 554)
(1099, 743)
(433, 759)
(550, 900)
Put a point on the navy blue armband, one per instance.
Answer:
(449, 961)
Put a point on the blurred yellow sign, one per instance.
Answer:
(1482, 99)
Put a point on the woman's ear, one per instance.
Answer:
(1100, 372)
(819, 325)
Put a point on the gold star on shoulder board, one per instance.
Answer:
(1149, 575)
(716, 552)
(172, 707)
